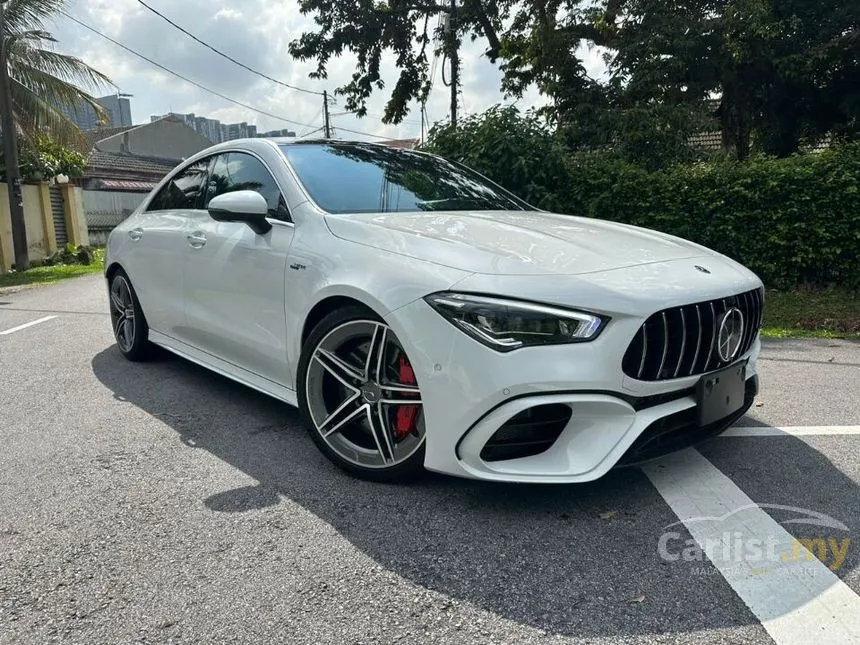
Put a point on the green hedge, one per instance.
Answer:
(792, 221)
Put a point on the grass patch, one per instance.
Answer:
(49, 274)
(812, 313)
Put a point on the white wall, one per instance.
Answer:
(164, 138)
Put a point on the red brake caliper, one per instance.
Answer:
(407, 415)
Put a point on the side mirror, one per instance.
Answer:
(245, 206)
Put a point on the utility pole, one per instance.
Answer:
(10, 151)
(455, 60)
(326, 124)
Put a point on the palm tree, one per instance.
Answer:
(42, 79)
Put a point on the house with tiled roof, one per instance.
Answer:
(139, 153)
(125, 172)
(126, 163)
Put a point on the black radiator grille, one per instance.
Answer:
(680, 341)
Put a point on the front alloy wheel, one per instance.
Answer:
(361, 399)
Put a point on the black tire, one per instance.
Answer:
(411, 466)
(138, 348)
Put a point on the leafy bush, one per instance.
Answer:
(43, 158)
(792, 221)
(517, 151)
(71, 254)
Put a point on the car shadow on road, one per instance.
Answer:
(569, 559)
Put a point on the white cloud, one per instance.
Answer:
(257, 33)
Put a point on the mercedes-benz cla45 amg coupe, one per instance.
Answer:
(420, 316)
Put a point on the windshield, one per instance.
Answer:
(365, 178)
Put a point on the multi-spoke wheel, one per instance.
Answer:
(360, 398)
(129, 325)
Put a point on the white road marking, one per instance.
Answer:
(25, 325)
(798, 601)
(791, 431)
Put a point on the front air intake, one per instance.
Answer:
(527, 433)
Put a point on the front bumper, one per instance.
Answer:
(470, 391)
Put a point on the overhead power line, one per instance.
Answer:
(243, 65)
(307, 134)
(227, 56)
(316, 116)
(184, 78)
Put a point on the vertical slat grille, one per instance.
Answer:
(58, 216)
(698, 340)
(682, 341)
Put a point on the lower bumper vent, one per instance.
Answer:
(680, 430)
(527, 433)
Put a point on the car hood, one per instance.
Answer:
(512, 242)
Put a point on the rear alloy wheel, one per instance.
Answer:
(360, 398)
(129, 325)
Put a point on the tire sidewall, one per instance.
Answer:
(408, 469)
(140, 347)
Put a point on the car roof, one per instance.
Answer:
(292, 141)
(259, 144)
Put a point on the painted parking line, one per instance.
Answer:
(791, 431)
(25, 325)
(798, 600)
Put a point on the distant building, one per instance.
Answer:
(213, 129)
(277, 133)
(242, 130)
(117, 106)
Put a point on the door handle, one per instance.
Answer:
(196, 239)
(135, 234)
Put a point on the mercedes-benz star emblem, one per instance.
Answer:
(371, 392)
(701, 268)
(730, 335)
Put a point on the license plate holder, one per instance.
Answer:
(721, 393)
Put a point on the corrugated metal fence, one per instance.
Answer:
(105, 209)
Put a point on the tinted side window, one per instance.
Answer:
(238, 171)
(185, 190)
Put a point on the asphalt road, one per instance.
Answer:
(157, 502)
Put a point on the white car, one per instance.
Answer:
(421, 316)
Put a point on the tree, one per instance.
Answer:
(43, 79)
(782, 70)
(523, 36)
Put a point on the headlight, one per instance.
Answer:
(506, 325)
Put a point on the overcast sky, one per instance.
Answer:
(256, 32)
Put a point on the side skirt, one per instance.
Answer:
(246, 378)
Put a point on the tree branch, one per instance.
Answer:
(487, 28)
